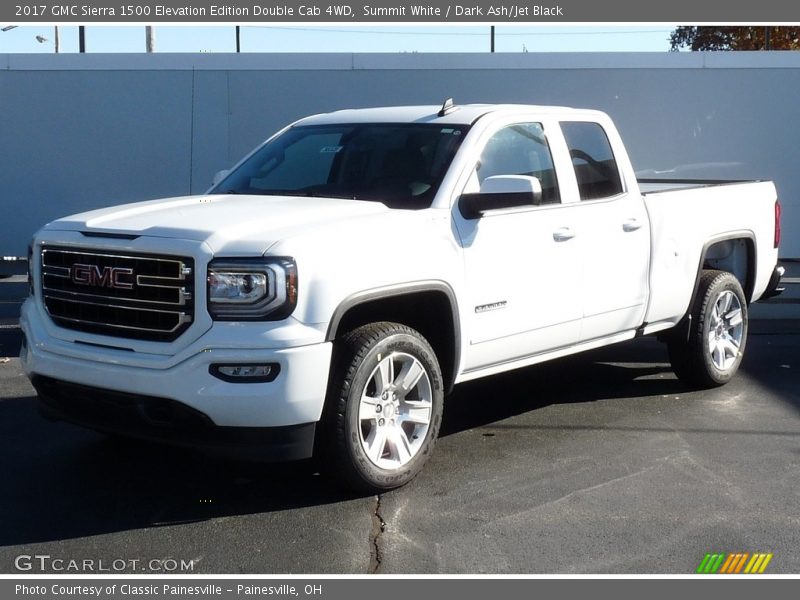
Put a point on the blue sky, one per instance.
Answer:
(284, 38)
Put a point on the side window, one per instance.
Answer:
(520, 149)
(593, 160)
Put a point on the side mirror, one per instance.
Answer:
(219, 176)
(501, 191)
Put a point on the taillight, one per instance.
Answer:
(777, 223)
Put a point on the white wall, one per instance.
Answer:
(83, 131)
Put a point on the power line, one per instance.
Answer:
(481, 34)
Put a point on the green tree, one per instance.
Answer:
(735, 38)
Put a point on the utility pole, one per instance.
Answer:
(238, 39)
(150, 41)
(56, 38)
(492, 38)
(767, 35)
(81, 39)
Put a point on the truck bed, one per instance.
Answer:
(655, 186)
(686, 215)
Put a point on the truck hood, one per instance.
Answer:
(240, 224)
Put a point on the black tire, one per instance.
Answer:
(691, 357)
(354, 374)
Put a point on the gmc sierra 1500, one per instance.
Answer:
(330, 289)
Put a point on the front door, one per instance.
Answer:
(523, 265)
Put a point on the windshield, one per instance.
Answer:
(401, 165)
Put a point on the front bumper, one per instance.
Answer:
(181, 385)
(167, 421)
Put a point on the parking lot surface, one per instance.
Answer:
(601, 463)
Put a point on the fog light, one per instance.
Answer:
(245, 370)
(248, 373)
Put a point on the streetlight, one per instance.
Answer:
(40, 38)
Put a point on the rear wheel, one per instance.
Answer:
(713, 350)
(385, 406)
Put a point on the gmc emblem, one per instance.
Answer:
(110, 277)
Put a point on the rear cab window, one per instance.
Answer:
(593, 160)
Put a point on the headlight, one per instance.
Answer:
(237, 288)
(259, 289)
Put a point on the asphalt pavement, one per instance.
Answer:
(600, 463)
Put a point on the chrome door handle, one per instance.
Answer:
(563, 234)
(631, 225)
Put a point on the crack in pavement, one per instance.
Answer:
(378, 527)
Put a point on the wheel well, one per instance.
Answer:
(737, 256)
(432, 313)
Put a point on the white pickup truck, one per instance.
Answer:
(328, 292)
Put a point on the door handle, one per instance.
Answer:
(563, 234)
(631, 225)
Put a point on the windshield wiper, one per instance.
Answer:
(297, 193)
(341, 196)
(266, 192)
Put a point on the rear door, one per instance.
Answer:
(614, 232)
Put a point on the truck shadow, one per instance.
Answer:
(62, 482)
(631, 370)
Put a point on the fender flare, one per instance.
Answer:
(684, 326)
(397, 291)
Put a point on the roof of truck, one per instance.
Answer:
(464, 114)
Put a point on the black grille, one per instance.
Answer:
(139, 296)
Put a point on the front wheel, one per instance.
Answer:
(713, 351)
(385, 407)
